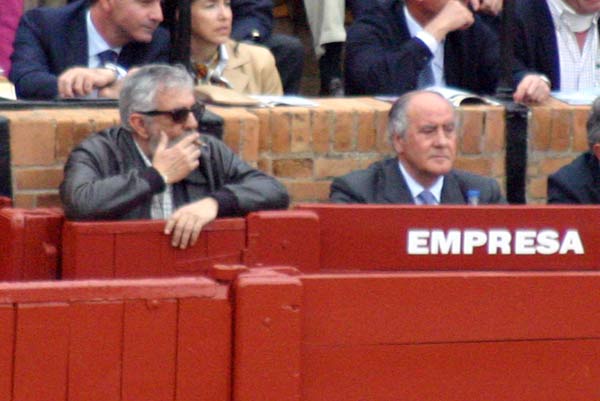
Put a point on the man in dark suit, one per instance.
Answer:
(399, 46)
(422, 129)
(551, 35)
(579, 181)
(85, 48)
(253, 21)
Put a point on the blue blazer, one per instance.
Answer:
(576, 183)
(382, 57)
(50, 40)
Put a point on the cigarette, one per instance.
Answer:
(200, 143)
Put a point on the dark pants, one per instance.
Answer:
(289, 57)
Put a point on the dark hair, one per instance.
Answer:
(178, 18)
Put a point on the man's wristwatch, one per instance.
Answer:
(119, 71)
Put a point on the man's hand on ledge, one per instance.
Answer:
(177, 161)
(491, 7)
(533, 88)
(186, 222)
(81, 81)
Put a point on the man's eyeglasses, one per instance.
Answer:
(179, 116)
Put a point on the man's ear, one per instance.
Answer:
(138, 123)
(596, 150)
(398, 143)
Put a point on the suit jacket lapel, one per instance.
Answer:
(394, 188)
(547, 47)
(452, 193)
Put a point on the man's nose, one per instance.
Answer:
(191, 123)
(156, 13)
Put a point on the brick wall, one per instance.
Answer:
(557, 135)
(303, 147)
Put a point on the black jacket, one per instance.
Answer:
(106, 178)
(577, 183)
(382, 58)
(383, 182)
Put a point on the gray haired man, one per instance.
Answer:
(156, 165)
(422, 129)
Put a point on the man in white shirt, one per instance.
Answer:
(556, 47)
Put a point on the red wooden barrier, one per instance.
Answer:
(141, 249)
(408, 237)
(283, 238)
(29, 243)
(5, 201)
(419, 336)
(159, 339)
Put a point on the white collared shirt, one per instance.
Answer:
(96, 43)
(436, 48)
(162, 203)
(579, 69)
(415, 188)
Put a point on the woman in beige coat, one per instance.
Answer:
(202, 42)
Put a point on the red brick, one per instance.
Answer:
(537, 188)
(321, 126)
(498, 168)
(308, 191)
(494, 131)
(477, 166)
(301, 138)
(381, 121)
(471, 130)
(249, 140)
(264, 128)
(26, 201)
(580, 117)
(32, 142)
(281, 124)
(265, 164)
(38, 178)
(329, 168)
(367, 131)
(561, 130)
(344, 134)
(293, 168)
(540, 124)
(50, 199)
(549, 166)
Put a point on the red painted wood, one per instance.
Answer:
(288, 238)
(440, 307)
(41, 352)
(29, 243)
(140, 249)
(7, 338)
(204, 349)
(267, 337)
(374, 237)
(5, 201)
(95, 347)
(149, 350)
(490, 371)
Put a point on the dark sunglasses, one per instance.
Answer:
(179, 116)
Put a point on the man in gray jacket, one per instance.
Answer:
(422, 129)
(156, 165)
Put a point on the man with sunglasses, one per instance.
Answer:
(156, 165)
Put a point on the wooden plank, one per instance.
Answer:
(149, 350)
(204, 350)
(95, 351)
(443, 307)
(491, 371)
(41, 351)
(7, 338)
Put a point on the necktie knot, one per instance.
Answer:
(108, 56)
(427, 198)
